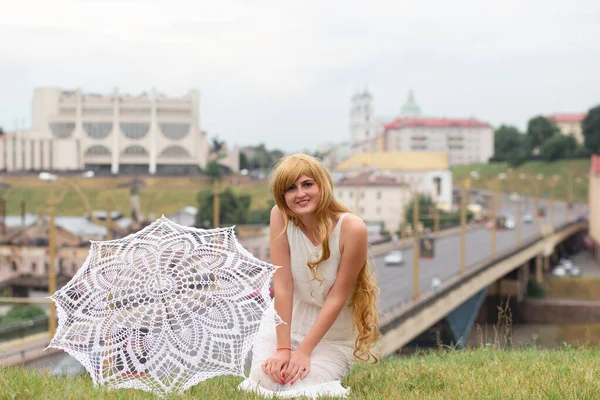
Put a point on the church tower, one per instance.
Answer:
(362, 118)
(410, 109)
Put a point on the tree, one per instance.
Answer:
(263, 158)
(1, 131)
(426, 214)
(214, 170)
(539, 130)
(244, 161)
(22, 312)
(217, 145)
(591, 130)
(557, 147)
(233, 208)
(507, 139)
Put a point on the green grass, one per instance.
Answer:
(159, 195)
(529, 373)
(578, 168)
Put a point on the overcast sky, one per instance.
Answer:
(283, 72)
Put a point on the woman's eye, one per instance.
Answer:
(308, 184)
(291, 188)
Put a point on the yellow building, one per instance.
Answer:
(424, 172)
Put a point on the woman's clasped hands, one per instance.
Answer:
(285, 367)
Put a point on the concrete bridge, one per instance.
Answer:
(461, 294)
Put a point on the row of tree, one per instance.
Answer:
(259, 157)
(233, 209)
(544, 140)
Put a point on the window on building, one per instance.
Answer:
(379, 195)
(175, 131)
(437, 181)
(34, 267)
(97, 150)
(135, 130)
(362, 210)
(174, 151)
(378, 210)
(61, 130)
(351, 195)
(46, 268)
(362, 194)
(14, 266)
(135, 150)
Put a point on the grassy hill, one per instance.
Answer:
(442, 374)
(578, 168)
(161, 195)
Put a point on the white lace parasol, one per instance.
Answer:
(163, 309)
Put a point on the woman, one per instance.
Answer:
(324, 287)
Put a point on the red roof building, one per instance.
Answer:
(569, 124)
(465, 140)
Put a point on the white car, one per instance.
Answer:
(559, 271)
(514, 197)
(509, 223)
(527, 219)
(394, 257)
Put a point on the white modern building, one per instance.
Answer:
(465, 141)
(72, 130)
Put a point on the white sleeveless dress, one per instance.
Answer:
(333, 357)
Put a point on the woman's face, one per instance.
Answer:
(302, 197)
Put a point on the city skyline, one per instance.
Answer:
(284, 74)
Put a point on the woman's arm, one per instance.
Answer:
(354, 243)
(283, 287)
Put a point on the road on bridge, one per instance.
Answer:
(396, 282)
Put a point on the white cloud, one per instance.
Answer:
(282, 72)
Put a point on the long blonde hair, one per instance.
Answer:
(363, 302)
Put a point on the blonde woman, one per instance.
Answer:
(324, 290)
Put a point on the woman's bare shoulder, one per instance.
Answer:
(353, 225)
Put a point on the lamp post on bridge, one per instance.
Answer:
(493, 186)
(465, 188)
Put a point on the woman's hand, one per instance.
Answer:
(276, 364)
(298, 367)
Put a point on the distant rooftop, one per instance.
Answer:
(395, 161)
(369, 179)
(435, 123)
(567, 118)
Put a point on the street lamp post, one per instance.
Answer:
(536, 202)
(552, 204)
(416, 253)
(216, 204)
(519, 217)
(463, 224)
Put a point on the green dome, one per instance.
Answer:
(410, 108)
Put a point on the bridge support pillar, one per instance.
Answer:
(523, 277)
(539, 276)
(460, 320)
(546, 263)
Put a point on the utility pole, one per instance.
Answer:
(416, 252)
